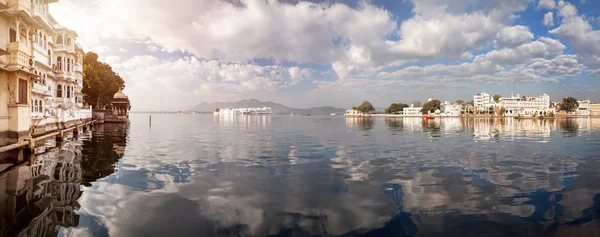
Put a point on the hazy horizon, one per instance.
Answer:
(338, 53)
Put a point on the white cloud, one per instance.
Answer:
(566, 65)
(507, 65)
(190, 77)
(111, 59)
(549, 19)
(100, 49)
(152, 48)
(580, 35)
(513, 36)
(547, 4)
(466, 56)
(358, 44)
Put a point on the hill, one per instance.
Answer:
(252, 103)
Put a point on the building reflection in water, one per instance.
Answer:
(244, 122)
(39, 193)
(362, 123)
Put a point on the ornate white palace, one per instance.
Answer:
(41, 72)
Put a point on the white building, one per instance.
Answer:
(41, 72)
(584, 107)
(353, 112)
(450, 109)
(412, 111)
(244, 111)
(527, 106)
(482, 102)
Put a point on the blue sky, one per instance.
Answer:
(315, 53)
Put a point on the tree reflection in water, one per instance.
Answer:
(39, 193)
(362, 123)
(570, 127)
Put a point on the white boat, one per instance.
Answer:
(333, 114)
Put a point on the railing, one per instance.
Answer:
(39, 88)
(19, 59)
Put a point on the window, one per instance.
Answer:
(36, 106)
(68, 64)
(41, 108)
(68, 92)
(13, 35)
(59, 39)
(32, 107)
(23, 88)
(49, 58)
(59, 91)
(59, 63)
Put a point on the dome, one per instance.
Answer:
(120, 95)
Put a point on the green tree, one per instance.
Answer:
(100, 82)
(366, 107)
(569, 104)
(431, 106)
(395, 107)
(416, 104)
(497, 98)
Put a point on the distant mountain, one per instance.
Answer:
(252, 103)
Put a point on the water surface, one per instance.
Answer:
(200, 175)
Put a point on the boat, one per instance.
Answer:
(428, 117)
(305, 114)
(333, 114)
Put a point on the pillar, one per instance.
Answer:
(18, 23)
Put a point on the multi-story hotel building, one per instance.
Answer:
(41, 72)
(525, 106)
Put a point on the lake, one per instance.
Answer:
(201, 175)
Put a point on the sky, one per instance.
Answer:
(176, 54)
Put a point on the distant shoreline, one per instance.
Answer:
(468, 116)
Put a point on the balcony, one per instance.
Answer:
(39, 13)
(41, 89)
(19, 5)
(19, 61)
(20, 46)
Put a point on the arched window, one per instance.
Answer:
(59, 39)
(59, 91)
(36, 106)
(68, 92)
(32, 107)
(41, 108)
(59, 62)
(68, 64)
(49, 57)
(69, 41)
(39, 39)
(44, 80)
(46, 43)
